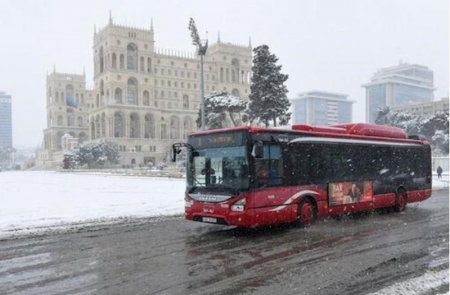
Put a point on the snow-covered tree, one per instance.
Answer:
(441, 142)
(70, 160)
(219, 107)
(268, 100)
(434, 127)
(98, 154)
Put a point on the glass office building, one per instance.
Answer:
(5, 120)
(321, 108)
(402, 85)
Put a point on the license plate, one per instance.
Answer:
(209, 219)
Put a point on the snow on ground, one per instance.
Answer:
(38, 199)
(439, 183)
(35, 200)
(429, 281)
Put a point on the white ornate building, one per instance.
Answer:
(144, 99)
(68, 107)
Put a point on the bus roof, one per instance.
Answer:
(361, 131)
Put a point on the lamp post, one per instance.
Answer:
(202, 46)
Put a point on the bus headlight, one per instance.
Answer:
(239, 206)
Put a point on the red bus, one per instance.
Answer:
(251, 177)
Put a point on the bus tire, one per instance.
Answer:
(306, 212)
(400, 201)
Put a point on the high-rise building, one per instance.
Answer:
(321, 108)
(401, 85)
(144, 99)
(5, 120)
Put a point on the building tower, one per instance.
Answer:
(68, 105)
(145, 98)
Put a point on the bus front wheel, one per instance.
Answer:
(400, 201)
(306, 212)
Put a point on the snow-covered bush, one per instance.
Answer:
(93, 154)
(70, 160)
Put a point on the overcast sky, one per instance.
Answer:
(329, 45)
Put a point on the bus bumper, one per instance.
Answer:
(249, 218)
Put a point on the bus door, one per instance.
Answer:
(270, 189)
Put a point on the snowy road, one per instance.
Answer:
(380, 253)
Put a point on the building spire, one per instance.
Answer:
(54, 68)
(110, 18)
(151, 24)
(218, 36)
(250, 42)
(95, 29)
(84, 71)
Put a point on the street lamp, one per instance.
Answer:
(202, 46)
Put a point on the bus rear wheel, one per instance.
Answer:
(400, 201)
(306, 212)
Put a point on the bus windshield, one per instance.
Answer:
(218, 163)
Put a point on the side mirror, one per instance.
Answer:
(173, 154)
(174, 151)
(258, 150)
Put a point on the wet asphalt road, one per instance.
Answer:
(354, 255)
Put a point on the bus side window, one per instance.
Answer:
(269, 169)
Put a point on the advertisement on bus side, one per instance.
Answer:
(350, 192)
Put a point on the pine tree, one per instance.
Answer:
(268, 100)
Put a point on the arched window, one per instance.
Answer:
(174, 127)
(80, 121)
(122, 62)
(100, 58)
(60, 120)
(92, 129)
(185, 102)
(234, 70)
(134, 126)
(149, 65)
(146, 98)
(114, 61)
(163, 131)
(119, 125)
(70, 118)
(149, 126)
(59, 136)
(132, 91)
(187, 126)
(132, 57)
(221, 74)
(142, 64)
(227, 71)
(235, 92)
(102, 88)
(56, 97)
(98, 126)
(118, 96)
(103, 125)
